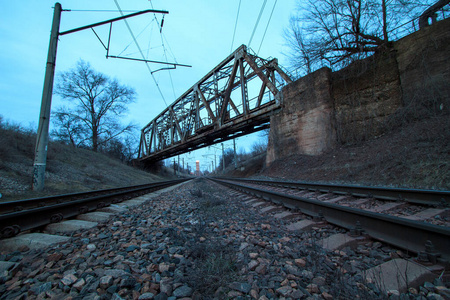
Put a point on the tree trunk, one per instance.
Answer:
(94, 138)
(385, 34)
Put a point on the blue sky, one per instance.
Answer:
(195, 32)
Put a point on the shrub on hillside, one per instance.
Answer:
(16, 140)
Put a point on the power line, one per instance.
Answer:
(257, 21)
(142, 54)
(99, 10)
(265, 31)
(165, 51)
(136, 37)
(235, 26)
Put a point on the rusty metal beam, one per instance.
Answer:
(260, 74)
(206, 105)
(228, 92)
(243, 87)
(233, 106)
(201, 116)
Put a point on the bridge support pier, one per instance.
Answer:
(305, 125)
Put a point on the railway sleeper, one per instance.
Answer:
(428, 265)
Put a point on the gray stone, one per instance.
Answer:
(106, 281)
(91, 285)
(91, 296)
(131, 248)
(182, 291)
(297, 294)
(241, 287)
(6, 266)
(161, 296)
(116, 273)
(116, 296)
(434, 296)
(146, 296)
(443, 291)
(69, 279)
(44, 288)
(79, 284)
(292, 270)
(399, 274)
(165, 286)
(284, 291)
(127, 282)
(319, 281)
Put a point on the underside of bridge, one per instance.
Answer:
(235, 98)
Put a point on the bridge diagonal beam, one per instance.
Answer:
(260, 74)
(233, 106)
(176, 122)
(206, 105)
(261, 94)
(228, 92)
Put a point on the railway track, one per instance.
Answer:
(431, 242)
(419, 205)
(23, 215)
(413, 196)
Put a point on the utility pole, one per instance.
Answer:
(223, 159)
(40, 156)
(174, 171)
(235, 157)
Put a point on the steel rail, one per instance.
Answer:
(418, 196)
(13, 223)
(402, 233)
(19, 205)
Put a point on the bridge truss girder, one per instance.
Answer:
(235, 98)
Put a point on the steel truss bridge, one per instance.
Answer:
(235, 98)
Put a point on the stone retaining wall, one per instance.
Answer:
(324, 108)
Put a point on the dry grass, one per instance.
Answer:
(68, 169)
(415, 155)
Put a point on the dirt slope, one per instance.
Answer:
(68, 169)
(417, 156)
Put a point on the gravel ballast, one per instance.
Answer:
(186, 244)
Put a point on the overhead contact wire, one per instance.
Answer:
(235, 26)
(164, 49)
(268, 22)
(142, 54)
(257, 22)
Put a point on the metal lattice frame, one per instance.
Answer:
(218, 107)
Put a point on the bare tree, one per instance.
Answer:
(259, 147)
(97, 102)
(336, 32)
(68, 128)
